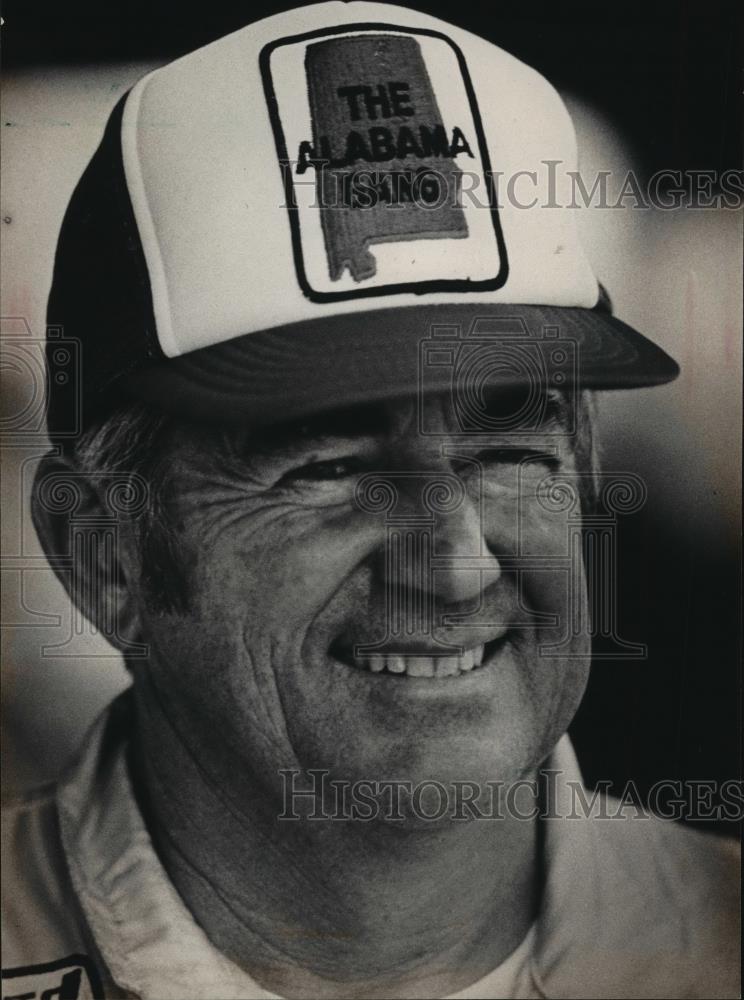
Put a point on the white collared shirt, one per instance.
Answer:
(632, 906)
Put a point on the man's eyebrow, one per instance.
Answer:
(299, 435)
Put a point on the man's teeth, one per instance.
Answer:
(423, 666)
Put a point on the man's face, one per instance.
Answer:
(293, 562)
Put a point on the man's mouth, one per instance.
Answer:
(424, 662)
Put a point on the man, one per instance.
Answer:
(346, 459)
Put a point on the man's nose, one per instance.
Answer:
(463, 565)
(437, 542)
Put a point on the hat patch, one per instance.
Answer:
(376, 131)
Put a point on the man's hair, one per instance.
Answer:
(135, 440)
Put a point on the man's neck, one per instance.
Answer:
(333, 908)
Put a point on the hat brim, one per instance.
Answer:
(307, 368)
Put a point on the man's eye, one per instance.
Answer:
(516, 456)
(330, 469)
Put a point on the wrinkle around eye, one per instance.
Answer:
(228, 497)
(236, 522)
(321, 495)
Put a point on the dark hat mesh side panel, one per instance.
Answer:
(100, 293)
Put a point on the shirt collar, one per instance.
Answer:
(153, 947)
(148, 939)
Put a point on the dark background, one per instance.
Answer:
(668, 77)
(668, 74)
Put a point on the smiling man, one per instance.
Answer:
(329, 470)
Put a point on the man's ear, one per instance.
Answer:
(89, 545)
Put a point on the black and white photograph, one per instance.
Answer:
(371, 500)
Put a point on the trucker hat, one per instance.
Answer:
(309, 212)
